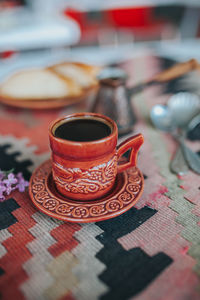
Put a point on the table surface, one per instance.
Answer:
(151, 252)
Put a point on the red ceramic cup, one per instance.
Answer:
(87, 170)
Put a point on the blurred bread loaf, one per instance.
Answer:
(84, 75)
(38, 84)
(65, 80)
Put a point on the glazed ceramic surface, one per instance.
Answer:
(124, 194)
(87, 170)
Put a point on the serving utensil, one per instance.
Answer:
(173, 116)
(184, 108)
(113, 97)
(161, 117)
(193, 130)
(171, 73)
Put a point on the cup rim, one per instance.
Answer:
(89, 115)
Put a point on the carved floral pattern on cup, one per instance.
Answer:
(134, 188)
(64, 209)
(114, 205)
(126, 197)
(97, 210)
(51, 203)
(135, 179)
(80, 212)
(90, 181)
(127, 194)
(41, 196)
(133, 171)
(38, 187)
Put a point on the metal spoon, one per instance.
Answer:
(178, 164)
(193, 129)
(184, 107)
(162, 118)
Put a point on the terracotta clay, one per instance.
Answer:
(125, 193)
(87, 170)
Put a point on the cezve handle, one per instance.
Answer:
(176, 71)
(133, 143)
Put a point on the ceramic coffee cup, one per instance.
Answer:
(85, 155)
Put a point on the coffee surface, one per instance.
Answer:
(82, 130)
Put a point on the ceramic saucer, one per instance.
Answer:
(125, 193)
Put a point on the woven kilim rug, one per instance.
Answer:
(151, 252)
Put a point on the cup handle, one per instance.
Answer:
(134, 144)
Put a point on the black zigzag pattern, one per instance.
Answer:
(6, 217)
(8, 162)
(127, 272)
(1, 272)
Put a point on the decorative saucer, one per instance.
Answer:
(125, 193)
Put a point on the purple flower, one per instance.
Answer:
(2, 190)
(1, 175)
(9, 189)
(22, 183)
(11, 180)
(19, 176)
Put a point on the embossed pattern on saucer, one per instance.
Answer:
(126, 192)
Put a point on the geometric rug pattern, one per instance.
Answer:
(151, 252)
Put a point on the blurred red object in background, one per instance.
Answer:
(7, 54)
(141, 21)
(131, 17)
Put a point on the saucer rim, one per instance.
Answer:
(87, 219)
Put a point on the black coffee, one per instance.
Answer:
(82, 130)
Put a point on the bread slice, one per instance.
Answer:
(37, 84)
(82, 74)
